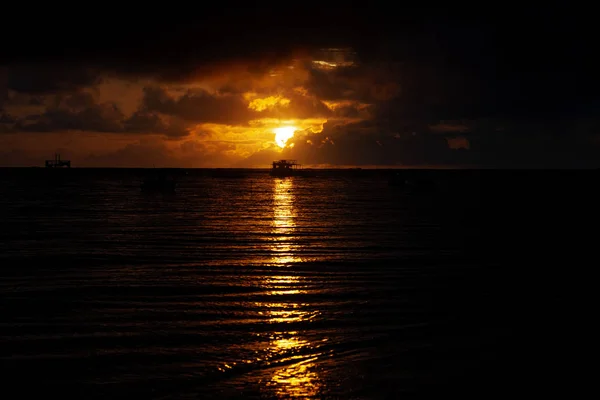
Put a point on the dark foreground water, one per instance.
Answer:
(244, 285)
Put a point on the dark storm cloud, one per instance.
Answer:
(525, 82)
(347, 112)
(556, 142)
(302, 107)
(171, 43)
(512, 59)
(450, 113)
(366, 83)
(81, 112)
(50, 78)
(148, 122)
(74, 112)
(198, 106)
(368, 143)
(100, 118)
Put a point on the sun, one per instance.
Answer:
(283, 134)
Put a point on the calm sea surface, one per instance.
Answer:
(245, 285)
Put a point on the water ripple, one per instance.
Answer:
(247, 286)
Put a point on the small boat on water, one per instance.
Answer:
(282, 168)
(57, 162)
(159, 184)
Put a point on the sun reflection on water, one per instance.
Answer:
(287, 312)
(298, 380)
(284, 225)
(279, 285)
(290, 353)
(296, 373)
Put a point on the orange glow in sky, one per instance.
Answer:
(232, 116)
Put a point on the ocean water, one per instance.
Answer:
(241, 285)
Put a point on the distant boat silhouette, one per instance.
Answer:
(283, 168)
(57, 162)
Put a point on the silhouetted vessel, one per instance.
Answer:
(285, 168)
(159, 184)
(57, 162)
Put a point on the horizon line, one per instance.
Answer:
(333, 168)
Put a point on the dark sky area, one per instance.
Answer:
(482, 85)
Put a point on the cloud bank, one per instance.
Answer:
(407, 97)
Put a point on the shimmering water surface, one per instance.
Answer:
(241, 284)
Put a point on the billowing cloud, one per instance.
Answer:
(80, 111)
(404, 98)
(199, 106)
(51, 78)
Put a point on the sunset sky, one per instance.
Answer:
(240, 87)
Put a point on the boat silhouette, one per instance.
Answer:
(283, 168)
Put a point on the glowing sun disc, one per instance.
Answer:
(283, 134)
